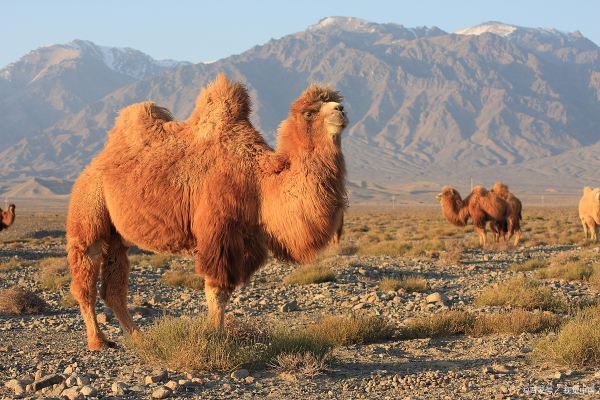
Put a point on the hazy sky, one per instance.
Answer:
(205, 31)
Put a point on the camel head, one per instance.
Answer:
(500, 188)
(316, 121)
(8, 217)
(447, 193)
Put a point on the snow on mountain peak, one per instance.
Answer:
(497, 28)
(343, 23)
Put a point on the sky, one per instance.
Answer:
(209, 30)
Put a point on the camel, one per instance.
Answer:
(512, 224)
(589, 212)
(337, 235)
(210, 187)
(8, 217)
(481, 206)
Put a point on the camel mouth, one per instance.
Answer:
(438, 197)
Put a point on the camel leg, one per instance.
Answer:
(85, 266)
(482, 235)
(585, 229)
(518, 234)
(115, 277)
(216, 300)
(594, 230)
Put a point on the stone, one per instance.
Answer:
(240, 374)
(487, 370)
(436, 297)
(289, 306)
(88, 391)
(118, 388)
(83, 380)
(71, 394)
(172, 385)
(157, 376)
(47, 381)
(161, 393)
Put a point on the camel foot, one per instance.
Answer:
(101, 344)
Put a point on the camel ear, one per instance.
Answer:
(598, 195)
(453, 192)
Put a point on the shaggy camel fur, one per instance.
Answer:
(209, 187)
(481, 206)
(512, 224)
(8, 217)
(589, 212)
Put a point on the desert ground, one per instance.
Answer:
(406, 307)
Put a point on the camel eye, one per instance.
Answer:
(308, 114)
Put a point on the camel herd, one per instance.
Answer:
(498, 206)
(212, 188)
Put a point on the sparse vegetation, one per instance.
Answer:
(577, 344)
(461, 322)
(54, 274)
(571, 271)
(529, 265)
(385, 248)
(408, 283)
(170, 342)
(152, 260)
(67, 300)
(344, 330)
(16, 300)
(308, 274)
(11, 265)
(185, 279)
(523, 293)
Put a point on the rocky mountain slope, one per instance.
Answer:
(493, 101)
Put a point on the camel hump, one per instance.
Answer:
(141, 120)
(500, 187)
(480, 190)
(222, 103)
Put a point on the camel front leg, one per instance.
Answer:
(482, 235)
(216, 300)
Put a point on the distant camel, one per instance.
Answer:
(512, 224)
(589, 212)
(8, 217)
(210, 187)
(480, 206)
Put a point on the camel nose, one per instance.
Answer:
(339, 107)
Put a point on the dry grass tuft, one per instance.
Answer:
(453, 254)
(16, 300)
(11, 265)
(307, 274)
(67, 300)
(345, 330)
(152, 260)
(461, 322)
(307, 364)
(192, 344)
(409, 283)
(577, 344)
(385, 248)
(529, 265)
(183, 279)
(571, 271)
(54, 273)
(523, 293)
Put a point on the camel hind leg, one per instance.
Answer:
(482, 235)
(88, 232)
(115, 277)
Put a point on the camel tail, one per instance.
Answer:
(222, 103)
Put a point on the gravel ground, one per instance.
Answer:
(47, 354)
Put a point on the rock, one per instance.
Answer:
(249, 379)
(502, 369)
(47, 381)
(172, 385)
(487, 370)
(289, 306)
(161, 393)
(240, 374)
(157, 376)
(359, 306)
(71, 394)
(71, 381)
(118, 388)
(436, 297)
(88, 391)
(527, 348)
(14, 383)
(83, 380)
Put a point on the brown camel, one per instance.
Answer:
(209, 187)
(512, 224)
(481, 206)
(337, 235)
(8, 217)
(589, 212)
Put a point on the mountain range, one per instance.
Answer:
(427, 107)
